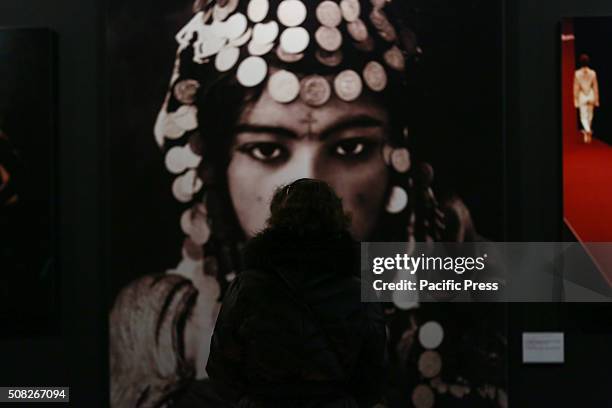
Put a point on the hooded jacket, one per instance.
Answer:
(292, 330)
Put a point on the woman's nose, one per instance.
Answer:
(303, 164)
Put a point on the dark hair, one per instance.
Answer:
(307, 207)
(584, 60)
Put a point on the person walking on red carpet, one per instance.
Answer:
(586, 95)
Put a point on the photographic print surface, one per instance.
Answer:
(397, 105)
(586, 86)
(28, 281)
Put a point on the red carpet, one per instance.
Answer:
(587, 197)
(587, 189)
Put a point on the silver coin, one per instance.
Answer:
(264, 33)
(252, 71)
(431, 335)
(430, 364)
(330, 59)
(185, 91)
(291, 13)
(257, 10)
(286, 57)
(405, 300)
(160, 123)
(357, 30)
(329, 14)
(174, 160)
(348, 85)
(185, 34)
(179, 193)
(294, 40)
(223, 9)
(235, 26)
(189, 157)
(187, 182)
(423, 396)
(192, 250)
(284, 86)
(395, 59)
(171, 129)
(351, 9)
(243, 39)
(200, 230)
(259, 49)
(186, 117)
(383, 25)
(215, 29)
(330, 39)
(375, 76)
(185, 221)
(315, 90)
(227, 58)
(400, 160)
(398, 200)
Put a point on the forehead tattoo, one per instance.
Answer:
(309, 120)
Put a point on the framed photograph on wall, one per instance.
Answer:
(586, 86)
(28, 189)
(398, 105)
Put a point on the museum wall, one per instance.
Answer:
(75, 354)
(534, 197)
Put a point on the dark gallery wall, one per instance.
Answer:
(535, 212)
(74, 353)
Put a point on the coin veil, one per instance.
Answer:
(265, 44)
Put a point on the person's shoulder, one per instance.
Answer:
(252, 278)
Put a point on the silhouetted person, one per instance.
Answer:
(292, 331)
(586, 95)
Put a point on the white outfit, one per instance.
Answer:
(586, 96)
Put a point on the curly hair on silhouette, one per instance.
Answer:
(308, 207)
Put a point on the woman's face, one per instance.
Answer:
(339, 143)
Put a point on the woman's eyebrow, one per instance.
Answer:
(275, 130)
(359, 121)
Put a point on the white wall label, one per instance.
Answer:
(543, 348)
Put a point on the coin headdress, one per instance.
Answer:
(296, 49)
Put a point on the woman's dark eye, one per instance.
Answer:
(351, 148)
(265, 152)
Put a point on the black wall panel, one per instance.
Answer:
(76, 355)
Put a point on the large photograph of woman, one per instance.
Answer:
(216, 104)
